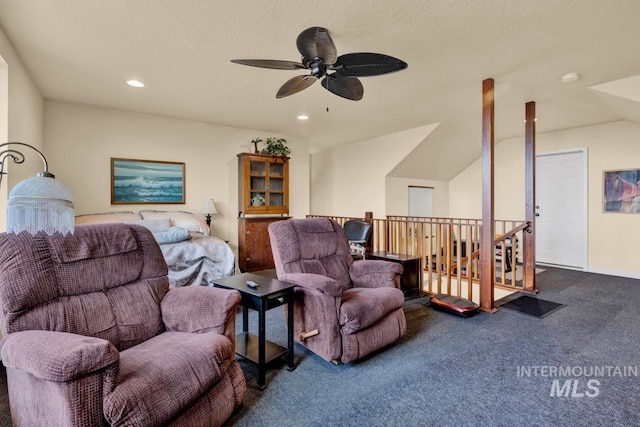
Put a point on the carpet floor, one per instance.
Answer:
(490, 370)
(574, 367)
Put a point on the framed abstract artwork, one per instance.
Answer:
(621, 191)
(147, 182)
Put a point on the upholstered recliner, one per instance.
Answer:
(343, 309)
(92, 335)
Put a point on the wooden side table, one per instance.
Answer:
(269, 294)
(411, 279)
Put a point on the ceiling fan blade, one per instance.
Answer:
(270, 63)
(346, 87)
(315, 42)
(365, 64)
(295, 85)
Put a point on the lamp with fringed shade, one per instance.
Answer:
(38, 204)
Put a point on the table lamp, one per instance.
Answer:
(208, 208)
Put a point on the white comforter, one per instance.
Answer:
(198, 260)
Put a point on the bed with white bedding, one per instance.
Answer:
(193, 257)
(198, 260)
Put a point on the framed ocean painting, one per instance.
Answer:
(146, 181)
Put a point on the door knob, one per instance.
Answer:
(537, 214)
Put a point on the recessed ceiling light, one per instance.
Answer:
(570, 77)
(135, 83)
(303, 117)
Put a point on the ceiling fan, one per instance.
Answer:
(320, 57)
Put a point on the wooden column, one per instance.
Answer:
(529, 236)
(487, 235)
(368, 217)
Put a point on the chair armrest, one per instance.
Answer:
(368, 273)
(201, 309)
(316, 282)
(57, 356)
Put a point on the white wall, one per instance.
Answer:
(82, 139)
(465, 190)
(612, 237)
(350, 180)
(4, 132)
(397, 192)
(21, 109)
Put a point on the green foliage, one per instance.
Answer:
(276, 147)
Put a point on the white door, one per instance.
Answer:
(561, 209)
(420, 201)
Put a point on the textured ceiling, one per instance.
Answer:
(84, 50)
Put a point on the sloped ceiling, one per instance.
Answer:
(83, 51)
(623, 96)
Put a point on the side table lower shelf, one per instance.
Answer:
(247, 346)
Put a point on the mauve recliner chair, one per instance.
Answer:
(92, 334)
(343, 309)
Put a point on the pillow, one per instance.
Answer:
(154, 225)
(186, 220)
(172, 235)
(101, 218)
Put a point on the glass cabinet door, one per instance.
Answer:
(276, 184)
(263, 184)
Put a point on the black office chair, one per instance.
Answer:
(358, 233)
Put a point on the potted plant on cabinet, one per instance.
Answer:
(276, 147)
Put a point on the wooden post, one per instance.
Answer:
(529, 235)
(368, 217)
(487, 234)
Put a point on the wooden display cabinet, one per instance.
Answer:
(263, 184)
(254, 245)
(263, 194)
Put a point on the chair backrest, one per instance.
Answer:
(311, 245)
(357, 230)
(104, 281)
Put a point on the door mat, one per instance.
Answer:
(532, 306)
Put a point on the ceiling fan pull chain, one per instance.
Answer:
(327, 94)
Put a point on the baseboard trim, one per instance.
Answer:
(566, 267)
(596, 270)
(611, 272)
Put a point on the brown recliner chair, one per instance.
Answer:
(343, 309)
(92, 334)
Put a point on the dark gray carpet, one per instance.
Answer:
(452, 371)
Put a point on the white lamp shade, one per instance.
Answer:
(208, 207)
(40, 204)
